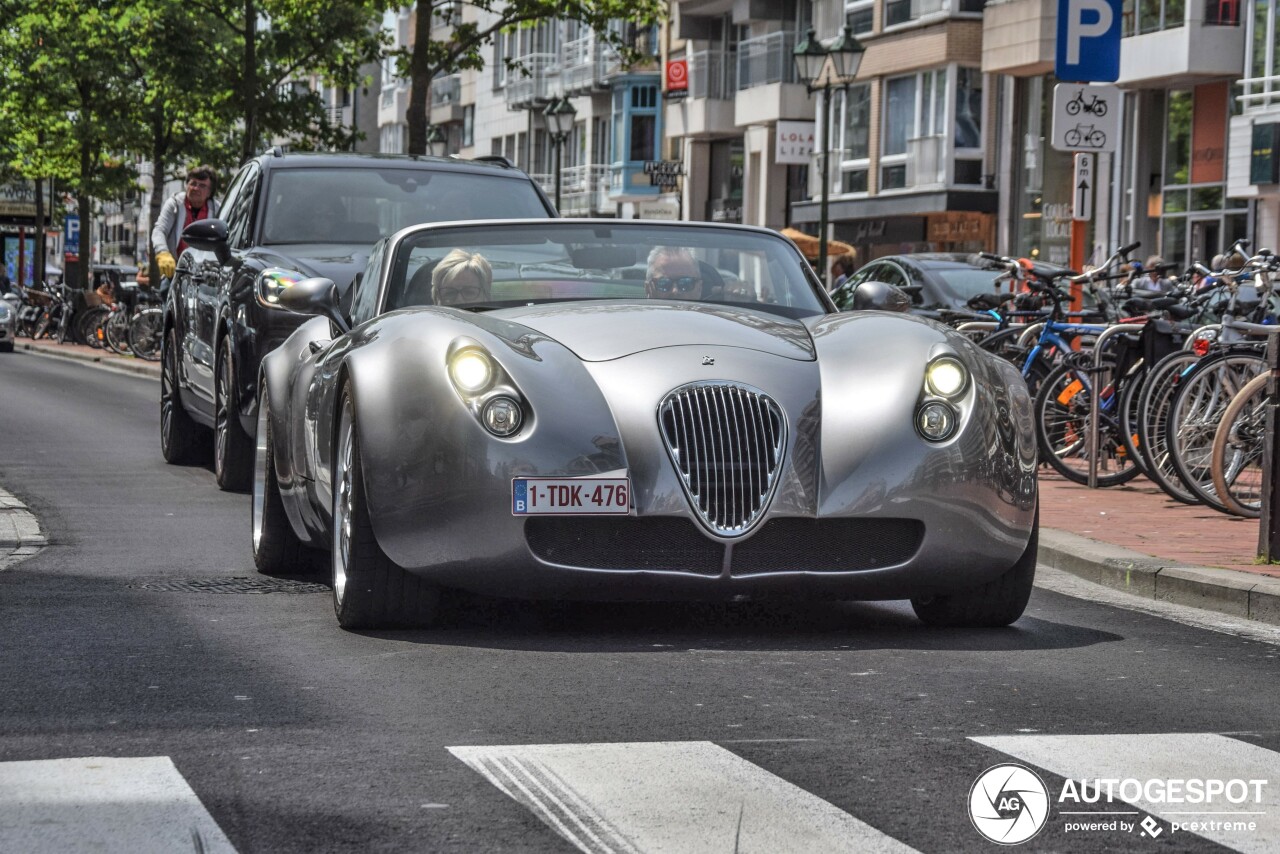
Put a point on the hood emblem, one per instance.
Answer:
(707, 360)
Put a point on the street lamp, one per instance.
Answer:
(436, 142)
(560, 116)
(845, 54)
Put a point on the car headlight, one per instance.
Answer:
(946, 377)
(273, 281)
(936, 421)
(471, 371)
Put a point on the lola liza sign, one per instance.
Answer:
(793, 143)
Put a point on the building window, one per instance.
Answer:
(1152, 16)
(468, 125)
(859, 14)
(855, 138)
(914, 130)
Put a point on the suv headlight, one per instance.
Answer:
(272, 282)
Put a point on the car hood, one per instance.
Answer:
(603, 330)
(337, 261)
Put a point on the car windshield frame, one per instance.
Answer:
(454, 187)
(560, 252)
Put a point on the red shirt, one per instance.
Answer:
(192, 216)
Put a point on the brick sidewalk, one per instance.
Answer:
(1139, 516)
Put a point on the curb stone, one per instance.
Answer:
(20, 534)
(1226, 591)
(106, 363)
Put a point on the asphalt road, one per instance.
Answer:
(777, 728)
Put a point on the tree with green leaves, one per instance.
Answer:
(469, 34)
(70, 112)
(262, 48)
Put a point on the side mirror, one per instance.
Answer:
(879, 296)
(208, 235)
(317, 297)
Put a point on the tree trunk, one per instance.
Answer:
(85, 210)
(39, 262)
(420, 72)
(249, 78)
(159, 152)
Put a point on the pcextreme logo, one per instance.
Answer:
(1008, 804)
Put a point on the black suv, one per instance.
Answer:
(291, 217)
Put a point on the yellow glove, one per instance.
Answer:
(166, 264)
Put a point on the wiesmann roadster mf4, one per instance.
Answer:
(624, 410)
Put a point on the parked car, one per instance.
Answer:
(8, 322)
(568, 430)
(935, 281)
(288, 217)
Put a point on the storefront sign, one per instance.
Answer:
(663, 173)
(1209, 133)
(1264, 157)
(662, 209)
(677, 78)
(959, 227)
(726, 210)
(794, 142)
(18, 200)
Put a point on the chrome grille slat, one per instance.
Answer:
(727, 441)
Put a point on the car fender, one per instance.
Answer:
(413, 425)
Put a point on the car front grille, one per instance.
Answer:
(827, 545)
(673, 544)
(624, 542)
(727, 442)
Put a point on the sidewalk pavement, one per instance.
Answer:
(1130, 537)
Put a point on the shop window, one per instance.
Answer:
(968, 172)
(1206, 198)
(1175, 201)
(642, 137)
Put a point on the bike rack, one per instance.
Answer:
(1031, 332)
(1095, 396)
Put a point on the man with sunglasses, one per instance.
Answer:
(673, 274)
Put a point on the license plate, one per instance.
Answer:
(570, 496)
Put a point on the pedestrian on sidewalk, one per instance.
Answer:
(179, 211)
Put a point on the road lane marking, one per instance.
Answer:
(1168, 756)
(669, 796)
(139, 805)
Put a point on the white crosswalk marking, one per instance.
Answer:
(105, 805)
(670, 797)
(1170, 756)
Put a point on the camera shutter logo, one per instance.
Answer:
(1008, 804)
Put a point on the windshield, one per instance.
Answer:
(497, 265)
(362, 205)
(961, 283)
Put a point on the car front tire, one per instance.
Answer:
(369, 590)
(996, 603)
(180, 436)
(276, 548)
(232, 447)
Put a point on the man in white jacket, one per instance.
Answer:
(178, 212)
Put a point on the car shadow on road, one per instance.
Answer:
(481, 622)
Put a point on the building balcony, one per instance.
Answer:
(584, 190)
(1206, 46)
(709, 109)
(767, 87)
(713, 74)
(1019, 37)
(538, 82)
(584, 64)
(393, 102)
(629, 183)
(446, 99)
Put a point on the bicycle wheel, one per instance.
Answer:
(1153, 417)
(1062, 410)
(116, 332)
(87, 326)
(1004, 343)
(1130, 394)
(1195, 411)
(1236, 464)
(146, 332)
(64, 322)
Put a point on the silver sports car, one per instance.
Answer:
(606, 409)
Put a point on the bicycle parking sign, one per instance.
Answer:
(1086, 117)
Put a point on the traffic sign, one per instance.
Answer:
(1088, 41)
(71, 233)
(1083, 187)
(1086, 118)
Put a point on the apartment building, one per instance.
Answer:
(1253, 151)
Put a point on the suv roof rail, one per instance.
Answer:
(495, 158)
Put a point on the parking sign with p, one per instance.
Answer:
(1088, 47)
